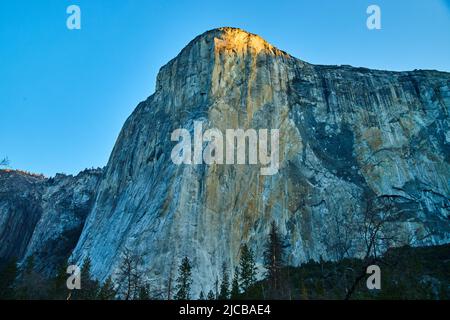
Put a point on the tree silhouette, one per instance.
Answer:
(128, 276)
(144, 292)
(7, 277)
(211, 295)
(225, 284)
(380, 231)
(31, 285)
(58, 285)
(184, 280)
(235, 285)
(273, 259)
(4, 162)
(247, 268)
(107, 291)
(89, 287)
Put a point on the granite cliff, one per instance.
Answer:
(347, 135)
(42, 216)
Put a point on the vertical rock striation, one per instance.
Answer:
(43, 217)
(19, 212)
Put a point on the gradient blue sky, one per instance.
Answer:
(64, 95)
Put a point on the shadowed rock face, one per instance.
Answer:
(346, 135)
(43, 217)
(65, 202)
(19, 212)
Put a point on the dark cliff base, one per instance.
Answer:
(406, 273)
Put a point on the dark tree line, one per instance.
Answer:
(244, 278)
(129, 284)
(23, 282)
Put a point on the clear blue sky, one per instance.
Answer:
(64, 95)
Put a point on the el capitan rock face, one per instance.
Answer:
(346, 134)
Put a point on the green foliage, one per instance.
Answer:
(7, 278)
(58, 287)
(31, 285)
(247, 268)
(406, 273)
(224, 293)
(107, 291)
(235, 285)
(211, 295)
(144, 292)
(273, 259)
(184, 280)
(89, 287)
(29, 264)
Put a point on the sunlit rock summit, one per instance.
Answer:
(347, 136)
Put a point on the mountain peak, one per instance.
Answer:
(239, 41)
(211, 48)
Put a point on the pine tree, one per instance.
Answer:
(107, 291)
(128, 276)
(144, 292)
(235, 285)
(184, 280)
(29, 264)
(273, 259)
(211, 295)
(58, 286)
(31, 285)
(304, 292)
(247, 268)
(89, 287)
(225, 284)
(201, 296)
(4, 162)
(8, 276)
